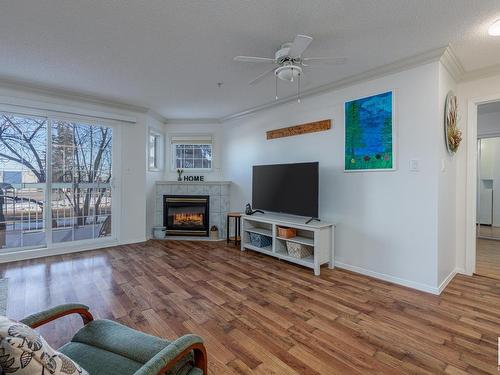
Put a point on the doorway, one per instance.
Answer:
(488, 190)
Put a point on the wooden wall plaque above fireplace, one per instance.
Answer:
(310, 127)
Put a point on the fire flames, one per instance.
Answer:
(188, 219)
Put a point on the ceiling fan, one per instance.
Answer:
(288, 62)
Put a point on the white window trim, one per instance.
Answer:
(160, 154)
(191, 137)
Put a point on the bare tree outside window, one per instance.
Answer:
(81, 166)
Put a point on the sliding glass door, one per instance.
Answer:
(81, 181)
(23, 151)
(55, 181)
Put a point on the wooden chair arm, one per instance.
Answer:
(200, 359)
(169, 356)
(46, 316)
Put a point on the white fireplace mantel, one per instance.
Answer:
(193, 182)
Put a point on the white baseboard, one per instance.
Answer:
(133, 240)
(392, 279)
(61, 249)
(447, 280)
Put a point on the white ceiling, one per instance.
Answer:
(169, 55)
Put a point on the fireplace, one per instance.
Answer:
(186, 215)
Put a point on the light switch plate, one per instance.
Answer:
(414, 165)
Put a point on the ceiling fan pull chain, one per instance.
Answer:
(276, 77)
(298, 88)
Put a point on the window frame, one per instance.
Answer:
(195, 140)
(159, 151)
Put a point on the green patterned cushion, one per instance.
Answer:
(134, 347)
(24, 352)
(100, 362)
(117, 338)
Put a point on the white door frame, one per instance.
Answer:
(471, 184)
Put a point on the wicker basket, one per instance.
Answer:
(285, 232)
(298, 250)
(260, 240)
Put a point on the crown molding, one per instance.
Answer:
(452, 64)
(157, 116)
(384, 70)
(481, 73)
(57, 93)
(193, 121)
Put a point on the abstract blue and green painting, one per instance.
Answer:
(368, 133)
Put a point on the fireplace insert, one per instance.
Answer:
(186, 215)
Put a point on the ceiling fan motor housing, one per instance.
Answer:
(282, 54)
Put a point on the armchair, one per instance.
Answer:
(104, 347)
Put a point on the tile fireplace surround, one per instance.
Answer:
(217, 190)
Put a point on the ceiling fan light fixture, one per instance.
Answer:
(288, 72)
(494, 29)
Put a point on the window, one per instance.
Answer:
(192, 152)
(81, 181)
(155, 151)
(55, 181)
(23, 144)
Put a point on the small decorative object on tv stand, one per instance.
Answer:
(317, 235)
(249, 211)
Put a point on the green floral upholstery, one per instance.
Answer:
(104, 347)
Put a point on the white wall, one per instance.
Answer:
(133, 184)
(447, 186)
(387, 221)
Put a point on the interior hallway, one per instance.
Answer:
(488, 258)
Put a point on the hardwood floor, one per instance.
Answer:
(488, 258)
(489, 231)
(262, 316)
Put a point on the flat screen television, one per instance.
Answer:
(286, 188)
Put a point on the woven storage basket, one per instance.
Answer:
(297, 250)
(260, 240)
(285, 232)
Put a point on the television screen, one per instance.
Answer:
(286, 188)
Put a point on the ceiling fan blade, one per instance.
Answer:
(325, 60)
(254, 59)
(299, 45)
(262, 76)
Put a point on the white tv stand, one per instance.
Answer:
(318, 234)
